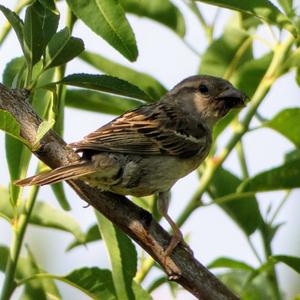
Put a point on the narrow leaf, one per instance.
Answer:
(4, 252)
(92, 235)
(139, 292)
(148, 83)
(226, 262)
(251, 73)
(223, 56)
(123, 257)
(27, 267)
(291, 261)
(9, 124)
(262, 9)
(259, 288)
(105, 83)
(62, 48)
(44, 127)
(94, 282)
(48, 216)
(99, 102)
(107, 19)
(244, 211)
(17, 167)
(12, 70)
(35, 289)
(16, 23)
(50, 4)
(287, 123)
(43, 215)
(287, 6)
(58, 190)
(286, 176)
(33, 33)
(162, 11)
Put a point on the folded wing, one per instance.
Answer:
(148, 130)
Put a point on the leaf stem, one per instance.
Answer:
(283, 201)
(19, 230)
(207, 29)
(254, 250)
(242, 159)
(146, 266)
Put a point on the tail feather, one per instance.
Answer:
(63, 173)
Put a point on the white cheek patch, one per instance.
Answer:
(199, 103)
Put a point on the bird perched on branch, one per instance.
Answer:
(146, 150)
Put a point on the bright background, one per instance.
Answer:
(213, 234)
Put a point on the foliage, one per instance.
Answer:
(46, 52)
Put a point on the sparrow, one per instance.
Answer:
(147, 149)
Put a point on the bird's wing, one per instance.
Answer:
(148, 130)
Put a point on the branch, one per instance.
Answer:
(181, 266)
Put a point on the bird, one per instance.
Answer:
(146, 150)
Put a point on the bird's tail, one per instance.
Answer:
(63, 173)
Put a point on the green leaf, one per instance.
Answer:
(94, 282)
(10, 125)
(287, 6)
(92, 235)
(44, 215)
(223, 123)
(99, 102)
(262, 9)
(162, 11)
(44, 127)
(251, 73)
(287, 123)
(291, 155)
(62, 48)
(226, 262)
(292, 61)
(40, 25)
(50, 4)
(225, 55)
(14, 148)
(123, 257)
(48, 216)
(4, 252)
(27, 266)
(149, 84)
(286, 176)
(238, 282)
(35, 289)
(243, 211)
(105, 83)
(107, 19)
(291, 261)
(139, 292)
(16, 23)
(58, 190)
(12, 70)
(17, 167)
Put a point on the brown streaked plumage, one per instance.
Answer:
(146, 150)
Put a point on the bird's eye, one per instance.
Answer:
(203, 89)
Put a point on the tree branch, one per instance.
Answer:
(181, 267)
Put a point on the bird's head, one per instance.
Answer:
(207, 97)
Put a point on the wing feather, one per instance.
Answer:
(149, 130)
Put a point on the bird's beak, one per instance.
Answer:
(233, 98)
